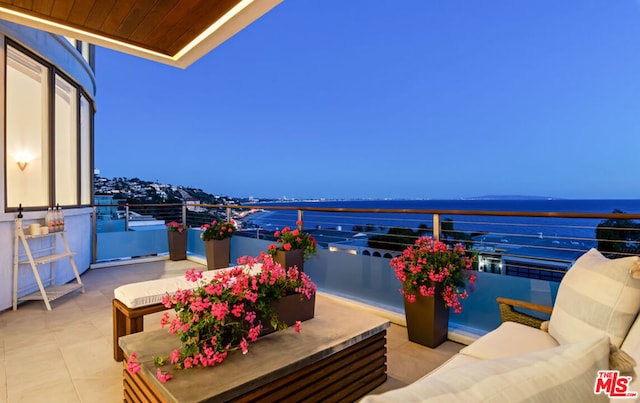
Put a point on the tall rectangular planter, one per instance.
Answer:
(291, 308)
(178, 244)
(427, 320)
(218, 253)
(290, 258)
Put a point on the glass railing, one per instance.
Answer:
(521, 255)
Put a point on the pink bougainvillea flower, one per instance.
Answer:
(192, 275)
(132, 365)
(298, 326)
(163, 376)
(244, 345)
(165, 319)
(175, 356)
(166, 300)
(296, 239)
(250, 317)
(430, 263)
(221, 314)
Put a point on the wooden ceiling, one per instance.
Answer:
(162, 28)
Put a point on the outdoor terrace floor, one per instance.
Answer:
(65, 355)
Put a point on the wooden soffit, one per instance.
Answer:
(175, 32)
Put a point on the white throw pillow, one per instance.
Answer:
(596, 296)
(566, 373)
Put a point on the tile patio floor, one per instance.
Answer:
(66, 356)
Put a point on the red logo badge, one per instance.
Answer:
(613, 384)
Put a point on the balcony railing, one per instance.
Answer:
(520, 255)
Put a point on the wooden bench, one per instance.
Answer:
(133, 301)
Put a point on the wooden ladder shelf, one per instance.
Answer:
(48, 290)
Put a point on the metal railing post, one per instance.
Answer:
(126, 217)
(436, 227)
(300, 219)
(184, 214)
(94, 237)
(228, 214)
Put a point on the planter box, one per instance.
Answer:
(218, 253)
(290, 309)
(178, 244)
(427, 320)
(290, 258)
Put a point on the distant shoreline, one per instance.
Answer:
(472, 198)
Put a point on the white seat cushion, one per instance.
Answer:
(565, 373)
(596, 296)
(457, 360)
(509, 339)
(144, 293)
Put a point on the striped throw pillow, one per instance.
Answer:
(596, 296)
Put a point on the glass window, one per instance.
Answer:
(66, 143)
(85, 51)
(85, 151)
(49, 134)
(72, 41)
(27, 131)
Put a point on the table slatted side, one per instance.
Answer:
(344, 376)
(137, 389)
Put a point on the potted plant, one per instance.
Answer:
(293, 247)
(434, 278)
(178, 235)
(230, 311)
(216, 237)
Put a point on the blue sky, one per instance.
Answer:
(397, 99)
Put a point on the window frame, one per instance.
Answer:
(53, 70)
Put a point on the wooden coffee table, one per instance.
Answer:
(339, 355)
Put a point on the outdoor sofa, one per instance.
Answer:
(593, 326)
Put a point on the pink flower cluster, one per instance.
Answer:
(217, 230)
(429, 267)
(226, 313)
(175, 226)
(289, 239)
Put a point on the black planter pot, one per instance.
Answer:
(427, 320)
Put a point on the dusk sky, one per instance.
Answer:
(389, 99)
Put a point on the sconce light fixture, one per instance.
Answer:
(22, 165)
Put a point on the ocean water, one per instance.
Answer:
(547, 227)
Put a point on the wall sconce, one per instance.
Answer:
(23, 158)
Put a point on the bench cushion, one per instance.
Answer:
(145, 293)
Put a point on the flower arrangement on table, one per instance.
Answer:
(428, 263)
(175, 226)
(288, 239)
(217, 230)
(226, 313)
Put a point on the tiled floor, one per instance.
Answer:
(66, 355)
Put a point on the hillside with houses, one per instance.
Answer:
(139, 191)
